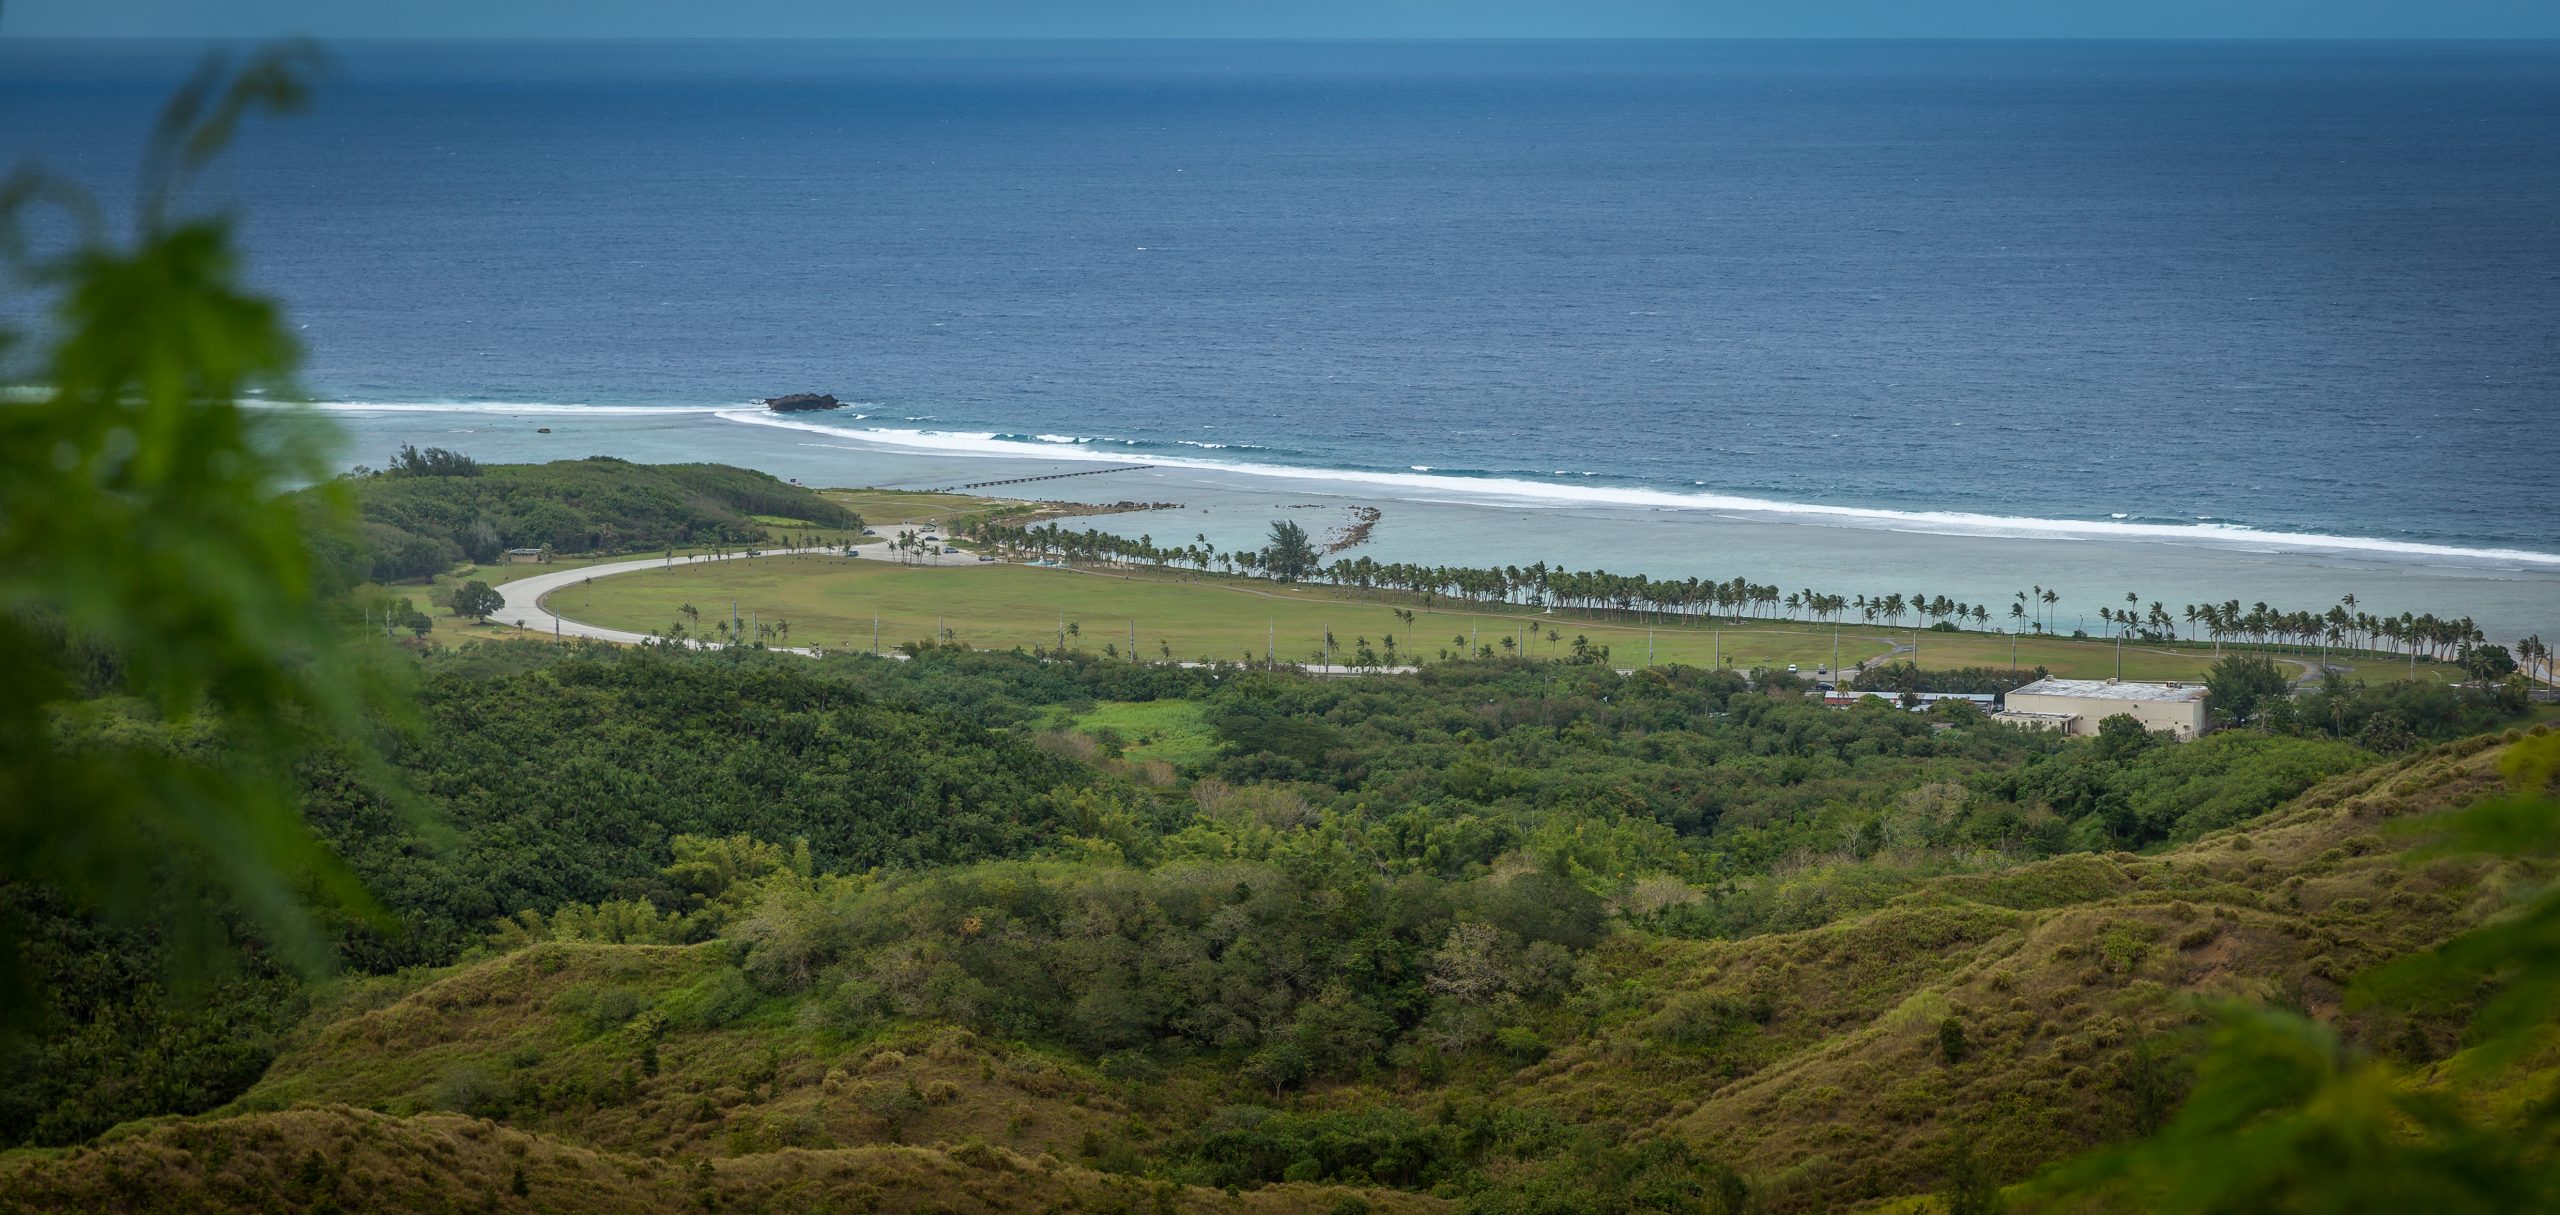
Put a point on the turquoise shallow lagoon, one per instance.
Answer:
(2509, 598)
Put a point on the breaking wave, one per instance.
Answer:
(1515, 490)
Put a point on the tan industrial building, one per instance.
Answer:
(2076, 706)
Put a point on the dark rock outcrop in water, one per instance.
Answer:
(801, 402)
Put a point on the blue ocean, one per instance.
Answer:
(2298, 288)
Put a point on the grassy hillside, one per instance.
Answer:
(658, 1050)
(1819, 1062)
(339, 1158)
(2029, 1010)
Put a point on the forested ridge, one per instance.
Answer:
(429, 511)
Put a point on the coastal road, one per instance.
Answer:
(525, 608)
(524, 596)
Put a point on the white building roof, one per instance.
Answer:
(2113, 689)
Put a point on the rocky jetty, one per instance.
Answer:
(801, 402)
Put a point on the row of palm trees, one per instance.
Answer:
(1640, 597)
(2343, 626)
(725, 631)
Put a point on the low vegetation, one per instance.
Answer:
(1428, 936)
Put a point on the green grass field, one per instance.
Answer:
(1173, 731)
(831, 601)
(2096, 659)
(899, 507)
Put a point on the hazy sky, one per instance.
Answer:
(1293, 18)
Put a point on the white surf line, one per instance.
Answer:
(1513, 491)
(544, 409)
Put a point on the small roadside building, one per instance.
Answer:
(2076, 706)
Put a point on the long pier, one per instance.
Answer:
(953, 489)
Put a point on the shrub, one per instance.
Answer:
(721, 998)
(1951, 1044)
(1700, 1021)
(611, 1009)
(472, 1091)
(895, 1105)
(1279, 1066)
(1521, 1043)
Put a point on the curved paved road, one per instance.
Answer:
(524, 596)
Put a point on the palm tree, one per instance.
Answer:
(1289, 555)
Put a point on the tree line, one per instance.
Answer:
(433, 510)
(1288, 556)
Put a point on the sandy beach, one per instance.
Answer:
(1426, 521)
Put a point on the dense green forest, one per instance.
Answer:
(1423, 882)
(429, 511)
